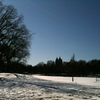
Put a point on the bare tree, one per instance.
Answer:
(15, 38)
(72, 60)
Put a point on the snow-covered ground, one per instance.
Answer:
(35, 87)
(77, 80)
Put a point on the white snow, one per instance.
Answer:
(7, 75)
(35, 87)
(77, 80)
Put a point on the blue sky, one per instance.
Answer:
(62, 28)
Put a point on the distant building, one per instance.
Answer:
(58, 61)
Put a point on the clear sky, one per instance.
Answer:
(62, 28)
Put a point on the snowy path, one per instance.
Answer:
(28, 87)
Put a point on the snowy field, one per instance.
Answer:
(36, 87)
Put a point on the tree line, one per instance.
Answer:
(57, 68)
(71, 68)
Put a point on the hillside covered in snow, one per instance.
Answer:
(34, 87)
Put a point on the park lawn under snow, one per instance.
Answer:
(35, 87)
